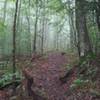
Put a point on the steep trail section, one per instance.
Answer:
(46, 76)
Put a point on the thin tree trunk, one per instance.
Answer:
(43, 23)
(14, 37)
(35, 28)
(18, 29)
(28, 21)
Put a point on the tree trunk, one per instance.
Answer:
(98, 14)
(35, 29)
(14, 37)
(18, 30)
(98, 24)
(29, 29)
(84, 45)
(43, 26)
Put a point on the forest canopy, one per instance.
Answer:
(47, 25)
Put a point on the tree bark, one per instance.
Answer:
(35, 28)
(14, 37)
(97, 9)
(84, 45)
(98, 14)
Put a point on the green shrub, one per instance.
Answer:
(79, 83)
(8, 78)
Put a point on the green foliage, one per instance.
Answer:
(85, 59)
(79, 83)
(56, 5)
(83, 85)
(88, 67)
(8, 78)
(11, 0)
(92, 71)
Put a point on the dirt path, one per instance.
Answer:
(47, 74)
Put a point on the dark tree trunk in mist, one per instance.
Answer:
(84, 45)
(28, 26)
(14, 37)
(18, 29)
(98, 14)
(35, 28)
(43, 25)
(98, 24)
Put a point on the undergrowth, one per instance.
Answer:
(87, 75)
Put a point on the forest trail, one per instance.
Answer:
(47, 73)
